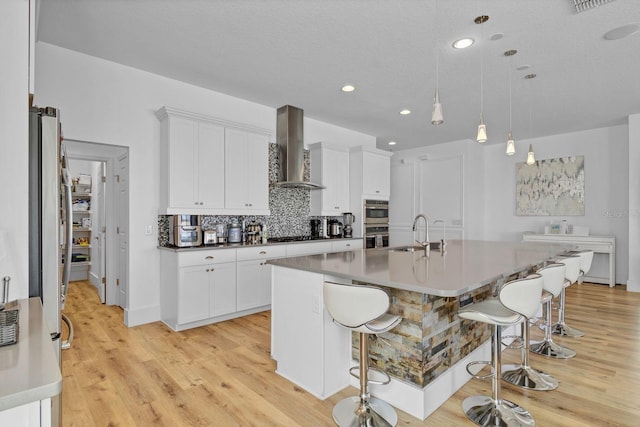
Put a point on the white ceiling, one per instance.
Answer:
(300, 52)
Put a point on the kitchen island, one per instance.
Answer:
(427, 353)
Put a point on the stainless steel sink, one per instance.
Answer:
(416, 248)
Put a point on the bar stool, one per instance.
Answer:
(362, 309)
(554, 276)
(572, 273)
(515, 297)
(586, 258)
(523, 375)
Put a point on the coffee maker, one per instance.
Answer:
(316, 228)
(347, 219)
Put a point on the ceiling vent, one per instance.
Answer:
(584, 5)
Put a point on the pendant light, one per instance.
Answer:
(531, 157)
(511, 144)
(482, 129)
(436, 116)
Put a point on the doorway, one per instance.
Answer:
(109, 264)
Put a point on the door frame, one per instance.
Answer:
(85, 150)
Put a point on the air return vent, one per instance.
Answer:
(583, 5)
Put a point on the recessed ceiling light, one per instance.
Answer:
(405, 112)
(462, 43)
(523, 67)
(621, 32)
(496, 36)
(530, 76)
(392, 143)
(348, 88)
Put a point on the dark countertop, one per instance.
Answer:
(246, 245)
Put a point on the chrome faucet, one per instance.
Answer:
(425, 243)
(443, 241)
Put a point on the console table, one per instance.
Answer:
(598, 244)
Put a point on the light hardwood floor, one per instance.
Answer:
(222, 375)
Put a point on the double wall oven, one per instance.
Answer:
(376, 223)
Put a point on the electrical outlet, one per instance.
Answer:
(148, 230)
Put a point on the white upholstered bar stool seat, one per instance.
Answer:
(515, 298)
(523, 375)
(554, 279)
(586, 258)
(361, 309)
(572, 274)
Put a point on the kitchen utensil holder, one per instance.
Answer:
(9, 327)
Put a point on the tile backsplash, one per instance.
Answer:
(289, 207)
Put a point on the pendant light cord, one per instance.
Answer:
(510, 65)
(481, 69)
(435, 18)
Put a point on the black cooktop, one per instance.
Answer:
(292, 239)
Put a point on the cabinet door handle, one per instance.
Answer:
(208, 257)
(195, 203)
(336, 207)
(348, 245)
(377, 191)
(263, 252)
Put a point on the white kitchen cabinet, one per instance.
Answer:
(211, 166)
(317, 247)
(346, 245)
(246, 172)
(192, 164)
(370, 173)
(193, 294)
(206, 290)
(197, 287)
(329, 167)
(253, 276)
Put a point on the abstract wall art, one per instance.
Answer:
(552, 187)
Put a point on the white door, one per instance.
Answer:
(122, 213)
(98, 253)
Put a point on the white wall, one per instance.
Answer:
(633, 282)
(104, 102)
(489, 189)
(14, 90)
(404, 206)
(605, 154)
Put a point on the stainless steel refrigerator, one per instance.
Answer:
(50, 225)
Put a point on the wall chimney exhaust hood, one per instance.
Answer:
(290, 139)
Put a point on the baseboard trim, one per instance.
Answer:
(142, 315)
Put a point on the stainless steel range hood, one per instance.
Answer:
(290, 139)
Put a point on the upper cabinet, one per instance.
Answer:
(370, 173)
(246, 172)
(329, 167)
(210, 166)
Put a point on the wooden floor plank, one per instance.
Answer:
(222, 374)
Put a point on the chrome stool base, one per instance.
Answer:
(375, 413)
(529, 378)
(484, 411)
(551, 349)
(564, 330)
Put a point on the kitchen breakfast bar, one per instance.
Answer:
(426, 354)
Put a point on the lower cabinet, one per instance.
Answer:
(253, 278)
(205, 286)
(206, 291)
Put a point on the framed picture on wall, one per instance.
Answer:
(552, 187)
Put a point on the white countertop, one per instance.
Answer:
(29, 369)
(466, 265)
